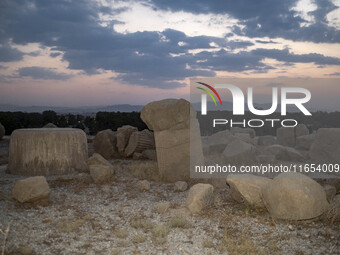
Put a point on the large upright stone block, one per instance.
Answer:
(47, 151)
(174, 127)
(167, 113)
(173, 154)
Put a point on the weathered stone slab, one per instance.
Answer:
(31, 189)
(45, 151)
(199, 197)
(123, 136)
(105, 144)
(167, 113)
(247, 188)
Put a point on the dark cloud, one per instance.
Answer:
(9, 54)
(286, 56)
(232, 62)
(55, 54)
(271, 18)
(266, 42)
(236, 44)
(42, 73)
(153, 59)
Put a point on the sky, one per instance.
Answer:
(87, 53)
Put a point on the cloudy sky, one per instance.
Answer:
(76, 53)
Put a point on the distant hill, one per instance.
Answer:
(73, 110)
(87, 110)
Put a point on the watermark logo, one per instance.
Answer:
(239, 99)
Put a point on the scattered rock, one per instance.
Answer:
(330, 192)
(101, 173)
(140, 141)
(301, 130)
(286, 136)
(266, 140)
(325, 148)
(284, 153)
(105, 144)
(97, 159)
(239, 152)
(137, 156)
(265, 158)
(294, 196)
(2, 131)
(167, 113)
(31, 189)
(245, 137)
(249, 131)
(45, 151)
(150, 154)
(162, 207)
(247, 188)
(304, 142)
(143, 185)
(200, 196)
(180, 186)
(123, 136)
(50, 125)
(217, 142)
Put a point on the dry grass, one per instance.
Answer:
(144, 170)
(332, 215)
(4, 232)
(160, 230)
(162, 207)
(241, 245)
(68, 226)
(121, 233)
(178, 222)
(139, 238)
(208, 243)
(144, 224)
(237, 242)
(159, 234)
(116, 252)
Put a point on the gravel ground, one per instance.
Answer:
(116, 218)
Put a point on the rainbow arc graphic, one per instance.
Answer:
(209, 93)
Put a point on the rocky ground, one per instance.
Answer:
(118, 218)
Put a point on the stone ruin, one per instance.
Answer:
(46, 151)
(126, 142)
(290, 196)
(170, 120)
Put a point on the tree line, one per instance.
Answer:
(91, 124)
(114, 120)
